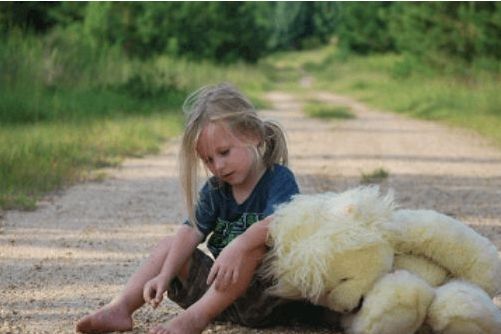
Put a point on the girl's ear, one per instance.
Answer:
(255, 140)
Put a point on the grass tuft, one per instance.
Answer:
(327, 111)
(376, 176)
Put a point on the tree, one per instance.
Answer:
(363, 27)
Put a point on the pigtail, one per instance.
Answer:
(275, 144)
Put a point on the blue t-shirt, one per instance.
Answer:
(219, 213)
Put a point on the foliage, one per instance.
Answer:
(363, 27)
(302, 24)
(26, 15)
(64, 77)
(219, 31)
(447, 35)
(442, 32)
(68, 105)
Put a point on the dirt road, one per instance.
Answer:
(77, 249)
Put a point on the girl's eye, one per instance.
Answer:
(225, 152)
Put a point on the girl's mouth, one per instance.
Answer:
(225, 176)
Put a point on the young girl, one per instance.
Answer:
(246, 157)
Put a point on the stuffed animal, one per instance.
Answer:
(385, 270)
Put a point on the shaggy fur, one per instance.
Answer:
(326, 247)
(448, 242)
(463, 308)
(431, 272)
(339, 249)
(397, 304)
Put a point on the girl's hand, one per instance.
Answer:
(154, 289)
(228, 266)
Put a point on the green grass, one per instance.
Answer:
(68, 108)
(464, 98)
(326, 111)
(40, 158)
(376, 176)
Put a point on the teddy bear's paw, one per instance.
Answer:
(463, 308)
(397, 304)
(355, 271)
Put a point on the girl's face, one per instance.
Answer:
(228, 157)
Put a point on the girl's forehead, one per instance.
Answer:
(214, 135)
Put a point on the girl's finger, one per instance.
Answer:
(158, 298)
(224, 280)
(220, 280)
(212, 274)
(234, 276)
(146, 293)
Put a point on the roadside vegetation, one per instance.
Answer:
(63, 116)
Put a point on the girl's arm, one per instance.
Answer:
(247, 248)
(182, 247)
(255, 237)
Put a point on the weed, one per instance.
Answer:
(325, 110)
(376, 176)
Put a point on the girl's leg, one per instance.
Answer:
(199, 315)
(117, 315)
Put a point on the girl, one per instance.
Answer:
(246, 157)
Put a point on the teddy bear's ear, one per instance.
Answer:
(397, 304)
(461, 307)
(451, 244)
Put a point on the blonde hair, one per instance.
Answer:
(224, 103)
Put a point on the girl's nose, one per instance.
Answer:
(218, 164)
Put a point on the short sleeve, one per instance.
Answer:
(282, 188)
(206, 210)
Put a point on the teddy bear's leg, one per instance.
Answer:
(423, 267)
(437, 236)
(397, 304)
(460, 307)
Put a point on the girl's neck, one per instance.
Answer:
(243, 191)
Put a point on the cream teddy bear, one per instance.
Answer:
(386, 270)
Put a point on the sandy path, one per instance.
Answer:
(76, 251)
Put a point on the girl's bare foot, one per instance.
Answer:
(111, 318)
(185, 323)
